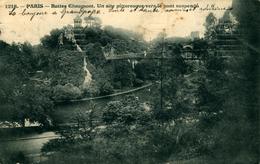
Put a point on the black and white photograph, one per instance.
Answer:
(129, 81)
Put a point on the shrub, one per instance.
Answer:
(66, 92)
(106, 89)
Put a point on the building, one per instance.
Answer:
(195, 35)
(227, 34)
(77, 22)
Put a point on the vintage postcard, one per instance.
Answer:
(129, 81)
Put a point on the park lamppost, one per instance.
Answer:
(161, 67)
(113, 56)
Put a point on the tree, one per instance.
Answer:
(237, 133)
(52, 41)
(210, 24)
(33, 102)
(66, 92)
(95, 54)
(23, 98)
(66, 67)
(93, 21)
(147, 70)
(126, 112)
(123, 73)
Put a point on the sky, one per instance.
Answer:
(19, 28)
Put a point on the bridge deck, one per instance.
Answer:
(122, 57)
(107, 96)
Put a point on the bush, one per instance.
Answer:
(106, 89)
(138, 83)
(117, 85)
(66, 92)
(92, 90)
(127, 112)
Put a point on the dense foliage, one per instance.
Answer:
(198, 111)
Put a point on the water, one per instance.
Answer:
(29, 144)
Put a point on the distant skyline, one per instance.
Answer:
(178, 24)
